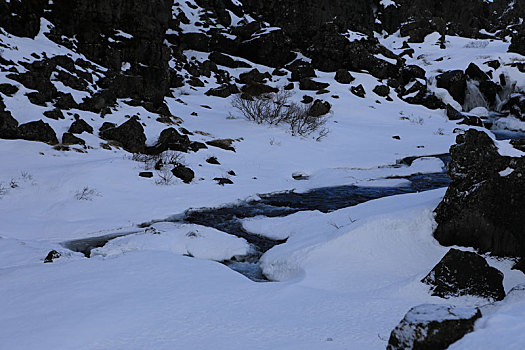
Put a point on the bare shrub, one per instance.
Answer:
(3, 190)
(86, 194)
(276, 108)
(165, 176)
(156, 161)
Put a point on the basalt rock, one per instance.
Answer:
(37, 131)
(223, 91)
(342, 76)
(465, 273)
(170, 139)
(130, 135)
(455, 83)
(8, 124)
(184, 173)
(430, 326)
(79, 126)
(70, 139)
(319, 108)
(483, 206)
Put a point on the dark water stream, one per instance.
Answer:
(229, 218)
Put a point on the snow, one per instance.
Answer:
(506, 172)
(340, 280)
(194, 240)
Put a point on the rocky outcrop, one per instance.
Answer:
(37, 131)
(130, 135)
(483, 206)
(465, 273)
(116, 32)
(430, 326)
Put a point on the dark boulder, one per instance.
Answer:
(8, 124)
(454, 114)
(146, 174)
(223, 60)
(79, 126)
(465, 273)
(37, 131)
(55, 114)
(483, 206)
(225, 144)
(381, 90)
(471, 120)
(300, 69)
(342, 76)
(319, 108)
(8, 89)
(184, 173)
(489, 90)
(311, 85)
(455, 82)
(358, 90)
(432, 327)
(70, 139)
(213, 160)
(273, 49)
(223, 181)
(474, 72)
(411, 72)
(170, 139)
(65, 101)
(225, 90)
(258, 89)
(254, 77)
(52, 255)
(129, 134)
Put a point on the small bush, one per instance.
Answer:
(86, 194)
(156, 161)
(276, 108)
(165, 176)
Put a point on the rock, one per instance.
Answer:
(52, 255)
(195, 146)
(465, 273)
(225, 90)
(223, 60)
(300, 69)
(307, 99)
(489, 90)
(254, 77)
(483, 206)
(255, 89)
(381, 90)
(37, 131)
(273, 49)
(319, 108)
(311, 85)
(8, 89)
(225, 144)
(195, 82)
(70, 139)
(170, 139)
(184, 173)
(146, 174)
(455, 82)
(289, 86)
(430, 326)
(410, 73)
(342, 76)
(358, 90)
(55, 114)
(79, 126)
(65, 101)
(213, 160)
(223, 181)
(453, 114)
(471, 120)
(494, 64)
(474, 72)
(130, 134)
(8, 124)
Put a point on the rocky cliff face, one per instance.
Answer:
(483, 206)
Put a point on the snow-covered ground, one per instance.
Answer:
(343, 280)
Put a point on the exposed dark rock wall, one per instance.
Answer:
(484, 204)
(96, 25)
